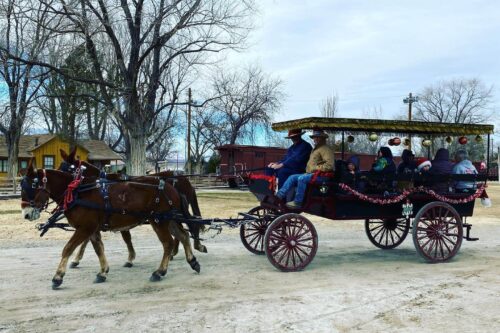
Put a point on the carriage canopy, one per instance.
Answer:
(382, 125)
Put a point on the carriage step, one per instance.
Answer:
(467, 236)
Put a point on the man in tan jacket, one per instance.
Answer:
(321, 159)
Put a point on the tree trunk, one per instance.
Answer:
(12, 161)
(136, 157)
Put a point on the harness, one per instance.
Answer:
(31, 190)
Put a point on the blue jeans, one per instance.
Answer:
(282, 174)
(299, 180)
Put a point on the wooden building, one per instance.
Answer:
(45, 149)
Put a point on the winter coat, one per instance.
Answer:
(321, 159)
(296, 157)
(441, 164)
(384, 164)
(407, 165)
(464, 167)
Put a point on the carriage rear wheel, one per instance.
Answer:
(252, 233)
(437, 232)
(387, 233)
(291, 242)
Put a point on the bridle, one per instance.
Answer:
(31, 190)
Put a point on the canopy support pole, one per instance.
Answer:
(342, 145)
(488, 158)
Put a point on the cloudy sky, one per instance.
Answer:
(373, 53)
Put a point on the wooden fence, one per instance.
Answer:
(10, 186)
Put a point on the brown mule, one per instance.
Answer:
(130, 203)
(180, 183)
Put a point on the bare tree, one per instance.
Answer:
(464, 101)
(147, 38)
(22, 37)
(246, 98)
(329, 106)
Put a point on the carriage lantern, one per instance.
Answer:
(462, 140)
(373, 136)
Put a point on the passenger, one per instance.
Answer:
(441, 165)
(295, 160)
(350, 175)
(423, 167)
(384, 163)
(464, 167)
(408, 164)
(321, 159)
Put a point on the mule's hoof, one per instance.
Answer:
(128, 264)
(56, 283)
(163, 273)
(195, 265)
(74, 264)
(99, 278)
(202, 249)
(155, 277)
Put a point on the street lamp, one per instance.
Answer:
(410, 100)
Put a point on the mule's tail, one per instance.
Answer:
(196, 208)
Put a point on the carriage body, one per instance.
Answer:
(437, 220)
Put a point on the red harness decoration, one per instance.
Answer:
(270, 179)
(68, 197)
(319, 173)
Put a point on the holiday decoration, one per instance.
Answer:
(373, 137)
(350, 139)
(479, 139)
(396, 141)
(426, 142)
(449, 139)
(391, 142)
(406, 141)
(480, 193)
(462, 140)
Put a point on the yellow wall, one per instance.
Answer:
(52, 148)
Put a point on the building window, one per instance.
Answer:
(23, 164)
(48, 161)
(3, 165)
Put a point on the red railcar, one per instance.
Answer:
(235, 159)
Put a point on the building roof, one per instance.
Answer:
(381, 125)
(98, 150)
(27, 143)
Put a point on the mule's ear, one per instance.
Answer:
(63, 154)
(30, 171)
(71, 156)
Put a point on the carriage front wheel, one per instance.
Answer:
(437, 232)
(387, 233)
(291, 242)
(252, 233)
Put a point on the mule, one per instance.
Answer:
(130, 203)
(180, 183)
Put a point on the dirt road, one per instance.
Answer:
(350, 285)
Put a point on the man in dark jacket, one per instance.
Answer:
(295, 160)
(441, 165)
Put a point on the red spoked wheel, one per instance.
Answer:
(291, 242)
(387, 233)
(437, 232)
(252, 233)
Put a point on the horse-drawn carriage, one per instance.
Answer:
(436, 219)
(288, 238)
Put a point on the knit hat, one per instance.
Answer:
(422, 162)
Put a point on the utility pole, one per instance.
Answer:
(410, 100)
(189, 132)
(498, 163)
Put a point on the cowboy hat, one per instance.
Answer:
(318, 133)
(293, 133)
